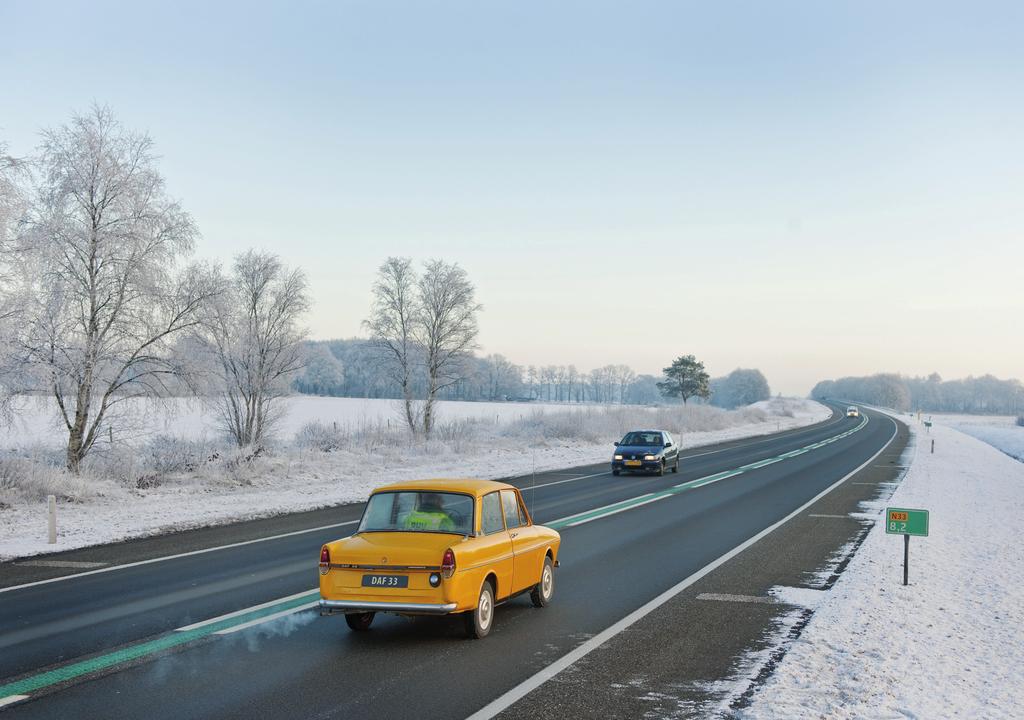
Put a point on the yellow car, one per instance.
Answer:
(437, 547)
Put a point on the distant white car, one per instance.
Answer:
(852, 411)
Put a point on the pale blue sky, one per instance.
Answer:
(815, 189)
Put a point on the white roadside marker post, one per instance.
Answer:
(51, 519)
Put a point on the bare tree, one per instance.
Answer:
(624, 376)
(105, 285)
(447, 328)
(392, 321)
(571, 376)
(252, 332)
(13, 207)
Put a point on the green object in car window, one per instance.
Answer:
(427, 520)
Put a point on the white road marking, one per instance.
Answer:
(522, 689)
(175, 557)
(738, 598)
(559, 482)
(11, 699)
(822, 515)
(244, 611)
(267, 618)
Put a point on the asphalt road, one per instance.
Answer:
(304, 665)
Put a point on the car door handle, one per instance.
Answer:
(513, 535)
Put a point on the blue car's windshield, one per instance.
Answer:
(642, 438)
(418, 511)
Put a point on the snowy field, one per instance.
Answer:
(192, 419)
(951, 644)
(175, 473)
(1000, 431)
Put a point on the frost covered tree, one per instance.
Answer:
(393, 318)
(624, 377)
(426, 326)
(740, 387)
(13, 208)
(105, 283)
(252, 333)
(685, 378)
(447, 328)
(322, 372)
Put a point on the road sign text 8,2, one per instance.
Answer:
(903, 521)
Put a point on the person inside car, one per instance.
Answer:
(429, 515)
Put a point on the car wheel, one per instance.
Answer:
(615, 472)
(675, 468)
(661, 469)
(479, 620)
(359, 621)
(545, 589)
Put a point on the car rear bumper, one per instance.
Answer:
(329, 607)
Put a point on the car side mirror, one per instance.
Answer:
(616, 443)
(668, 444)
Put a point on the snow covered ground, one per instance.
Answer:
(331, 451)
(951, 644)
(192, 419)
(1000, 431)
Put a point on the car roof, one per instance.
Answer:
(643, 431)
(463, 485)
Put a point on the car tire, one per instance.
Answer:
(661, 469)
(675, 468)
(544, 590)
(360, 622)
(615, 472)
(480, 619)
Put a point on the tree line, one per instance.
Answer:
(973, 395)
(351, 368)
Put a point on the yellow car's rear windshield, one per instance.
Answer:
(418, 511)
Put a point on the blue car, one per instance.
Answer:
(649, 451)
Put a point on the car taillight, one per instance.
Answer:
(325, 560)
(448, 563)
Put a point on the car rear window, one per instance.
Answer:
(418, 511)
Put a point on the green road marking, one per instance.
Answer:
(175, 638)
(597, 513)
(118, 657)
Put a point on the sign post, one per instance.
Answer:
(906, 522)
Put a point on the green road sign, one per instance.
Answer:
(901, 521)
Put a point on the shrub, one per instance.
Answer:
(320, 436)
(28, 478)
